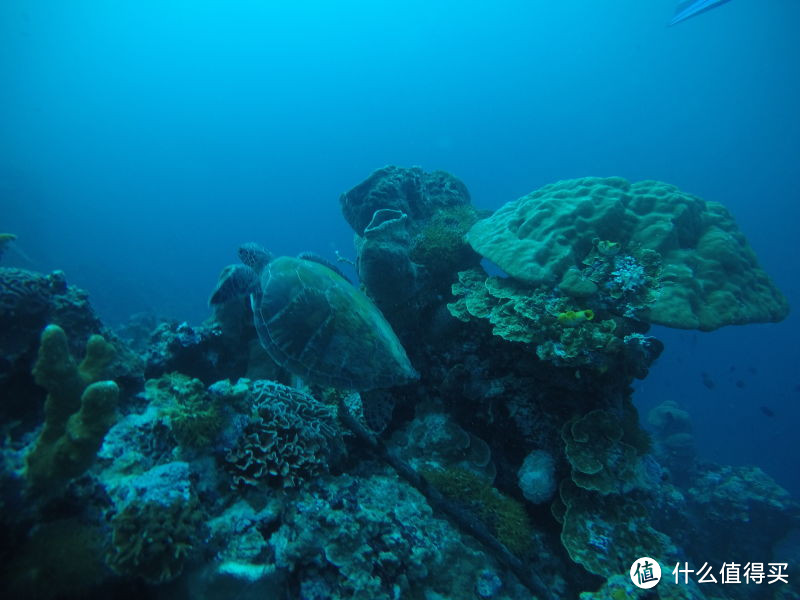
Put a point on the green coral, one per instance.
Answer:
(521, 313)
(600, 460)
(79, 409)
(153, 541)
(193, 416)
(440, 244)
(505, 516)
(708, 274)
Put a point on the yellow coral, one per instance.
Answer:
(573, 318)
(607, 247)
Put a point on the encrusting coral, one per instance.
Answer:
(79, 409)
(504, 515)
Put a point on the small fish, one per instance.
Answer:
(740, 384)
(767, 411)
(707, 381)
(573, 318)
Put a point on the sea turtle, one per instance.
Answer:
(314, 323)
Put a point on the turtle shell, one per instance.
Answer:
(318, 326)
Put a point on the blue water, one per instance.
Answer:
(141, 142)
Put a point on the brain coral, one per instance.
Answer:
(710, 275)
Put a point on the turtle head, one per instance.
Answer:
(254, 256)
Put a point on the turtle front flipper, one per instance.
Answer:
(235, 281)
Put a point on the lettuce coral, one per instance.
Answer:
(289, 438)
(600, 460)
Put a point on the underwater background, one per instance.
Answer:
(142, 143)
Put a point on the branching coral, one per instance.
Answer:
(193, 414)
(79, 409)
(153, 540)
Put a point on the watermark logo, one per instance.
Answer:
(645, 573)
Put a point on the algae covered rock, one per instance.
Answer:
(409, 234)
(709, 275)
(411, 191)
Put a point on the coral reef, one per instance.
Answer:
(559, 331)
(709, 276)
(675, 448)
(411, 191)
(514, 466)
(433, 441)
(744, 507)
(373, 538)
(602, 533)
